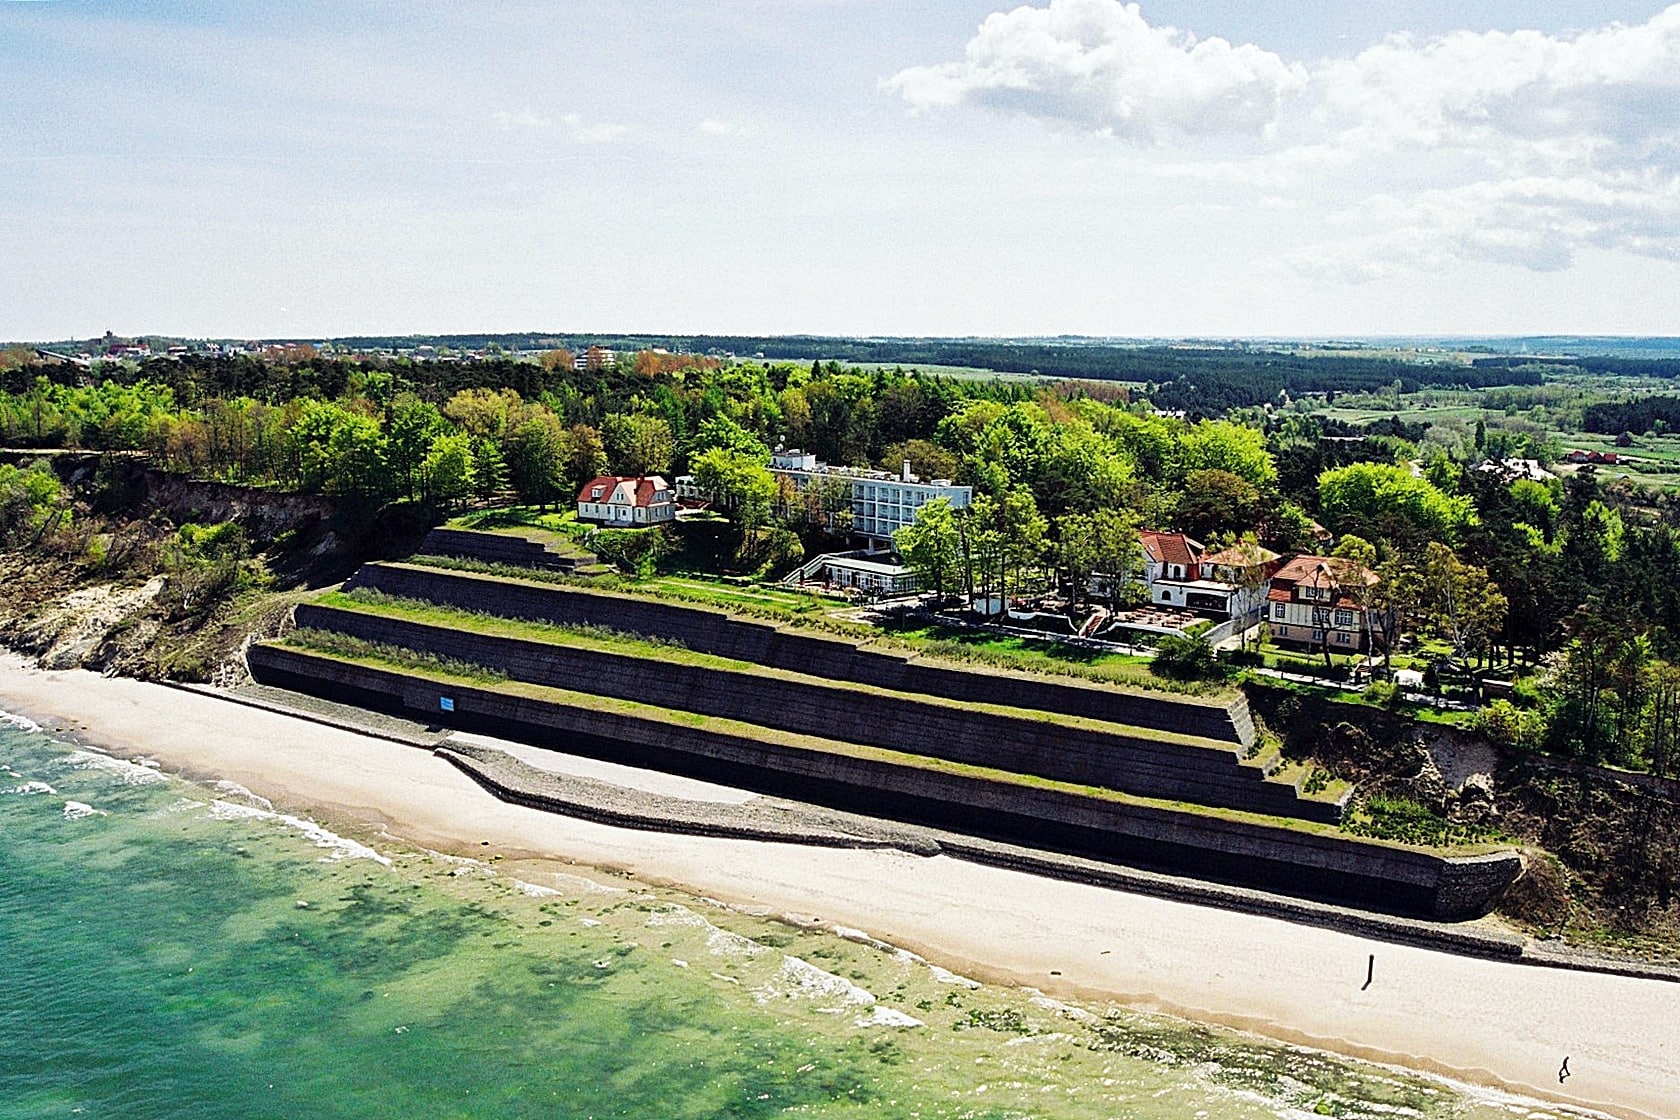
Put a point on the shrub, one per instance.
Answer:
(1510, 726)
(637, 551)
(1185, 658)
(1383, 693)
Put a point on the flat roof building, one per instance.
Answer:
(882, 502)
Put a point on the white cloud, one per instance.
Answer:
(1607, 94)
(586, 133)
(1099, 64)
(525, 118)
(577, 128)
(1516, 147)
(714, 126)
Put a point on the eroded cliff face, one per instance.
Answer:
(1602, 846)
(112, 587)
(65, 615)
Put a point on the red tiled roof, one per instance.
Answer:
(1324, 568)
(602, 487)
(1278, 595)
(606, 483)
(1170, 548)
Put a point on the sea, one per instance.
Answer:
(179, 949)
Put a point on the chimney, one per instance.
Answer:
(908, 477)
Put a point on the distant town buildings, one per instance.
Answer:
(593, 359)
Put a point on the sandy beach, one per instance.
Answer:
(1482, 1022)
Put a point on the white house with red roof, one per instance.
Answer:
(625, 503)
(1180, 572)
(1319, 602)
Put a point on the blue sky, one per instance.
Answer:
(840, 166)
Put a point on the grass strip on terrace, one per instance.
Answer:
(629, 645)
(811, 743)
(957, 649)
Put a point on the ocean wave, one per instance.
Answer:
(79, 810)
(800, 979)
(238, 793)
(33, 787)
(1066, 1010)
(943, 975)
(534, 890)
(128, 773)
(888, 1017)
(22, 723)
(340, 847)
(946, 976)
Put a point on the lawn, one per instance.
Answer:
(726, 593)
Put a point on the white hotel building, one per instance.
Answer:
(882, 502)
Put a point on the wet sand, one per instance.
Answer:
(1483, 1022)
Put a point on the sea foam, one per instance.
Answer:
(128, 773)
(78, 810)
(22, 723)
(340, 847)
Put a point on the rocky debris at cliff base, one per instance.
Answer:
(68, 634)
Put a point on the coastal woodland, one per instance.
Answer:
(1564, 583)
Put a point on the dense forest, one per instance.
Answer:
(1643, 414)
(1596, 363)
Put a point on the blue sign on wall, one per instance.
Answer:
(446, 703)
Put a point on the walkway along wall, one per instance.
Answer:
(767, 643)
(1147, 763)
(1246, 853)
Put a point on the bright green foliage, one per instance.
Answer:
(1223, 446)
(932, 546)
(32, 501)
(743, 485)
(722, 432)
(340, 451)
(109, 416)
(536, 458)
(446, 473)
(1380, 501)
(638, 444)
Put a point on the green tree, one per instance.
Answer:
(638, 444)
(536, 457)
(931, 546)
(446, 473)
(926, 458)
(1459, 601)
(1215, 502)
(720, 431)
(1224, 446)
(741, 484)
(1382, 501)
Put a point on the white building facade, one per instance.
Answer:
(882, 503)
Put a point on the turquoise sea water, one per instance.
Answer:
(172, 949)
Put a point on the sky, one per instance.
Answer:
(862, 167)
